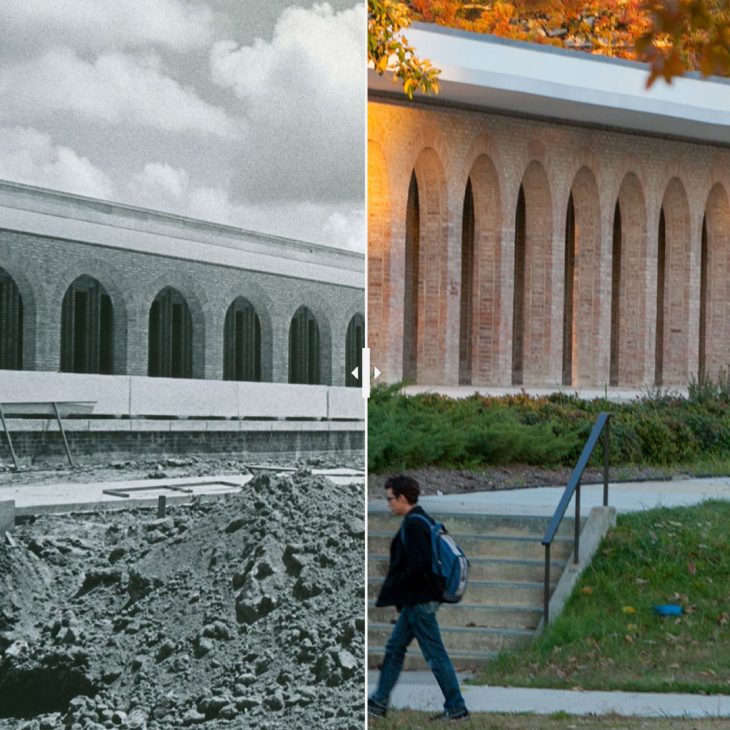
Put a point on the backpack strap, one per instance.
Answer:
(403, 526)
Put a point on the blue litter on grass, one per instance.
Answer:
(668, 609)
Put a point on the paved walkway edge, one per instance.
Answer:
(427, 697)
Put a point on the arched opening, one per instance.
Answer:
(11, 323)
(170, 352)
(661, 261)
(354, 342)
(715, 285)
(481, 265)
(582, 285)
(410, 284)
(673, 257)
(630, 360)
(518, 304)
(615, 296)
(241, 342)
(569, 278)
(467, 287)
(532, 329)
(87, 328)
(304, 355)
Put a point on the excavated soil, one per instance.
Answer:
(244, 612)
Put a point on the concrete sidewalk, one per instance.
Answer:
(624, 496)
(419, 691)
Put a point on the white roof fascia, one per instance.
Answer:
(532, 79)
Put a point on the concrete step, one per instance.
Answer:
(486, 568)
(487, 545)
(468, 523)
(458, 638)
(470, 615)
(491, 592)
(414, 661)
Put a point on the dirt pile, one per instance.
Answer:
(247, 612)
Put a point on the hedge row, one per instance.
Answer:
(657, 429)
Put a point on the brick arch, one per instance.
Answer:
(266, 312)
(200, 315)
(426, 271)
(115, 285)
(531, 332)
(628, 288)
(30, 292)
(715, 285)
(582, 283)
(325, 318)
(379, 246)
(481, 260)
(354, 342)
(673, 269)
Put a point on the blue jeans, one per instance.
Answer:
(419, 622)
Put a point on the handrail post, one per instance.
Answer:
(577, 523)
(546, 598)
(606, 450)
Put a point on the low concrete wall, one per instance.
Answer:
(128, 396)
(7, 516)
(600, 521)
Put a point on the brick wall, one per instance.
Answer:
(43, 268)
(549, 161)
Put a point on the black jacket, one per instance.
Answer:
(410, 579)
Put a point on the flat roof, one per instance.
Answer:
(55, 214)
(484, 71)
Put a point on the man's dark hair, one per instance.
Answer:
(407, 486)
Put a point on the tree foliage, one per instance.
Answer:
(390, 53)
(672, 36)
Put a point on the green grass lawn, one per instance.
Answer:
(400, 720)
(608, 636)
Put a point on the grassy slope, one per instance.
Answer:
(608, 637)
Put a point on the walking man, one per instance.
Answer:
(412, 588)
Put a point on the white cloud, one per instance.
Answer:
(304, 99)
(31, 157)
(114, 88)
(163, 187)
(98, 25)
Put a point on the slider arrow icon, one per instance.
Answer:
(356, 373)
(376, 372)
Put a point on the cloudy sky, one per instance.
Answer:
(245, 112)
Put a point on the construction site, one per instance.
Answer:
(181, 472)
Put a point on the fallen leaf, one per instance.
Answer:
(628, 609)
(587, 590)
(692, 568)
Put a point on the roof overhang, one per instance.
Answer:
(524, 78)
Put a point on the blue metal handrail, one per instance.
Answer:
(602, 425)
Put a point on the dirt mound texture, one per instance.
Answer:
(244, 612)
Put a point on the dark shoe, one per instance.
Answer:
(455, 717)
(375, 709)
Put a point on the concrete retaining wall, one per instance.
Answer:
(130, 396)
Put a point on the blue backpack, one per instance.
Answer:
(449, 564)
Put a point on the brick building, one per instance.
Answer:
(106, 302)
(546, 221)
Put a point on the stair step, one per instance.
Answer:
(414, 661)
(514, 569)
(491, 592)
(470, 615)
(458, 523)
(487, 545)
(459, 638)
